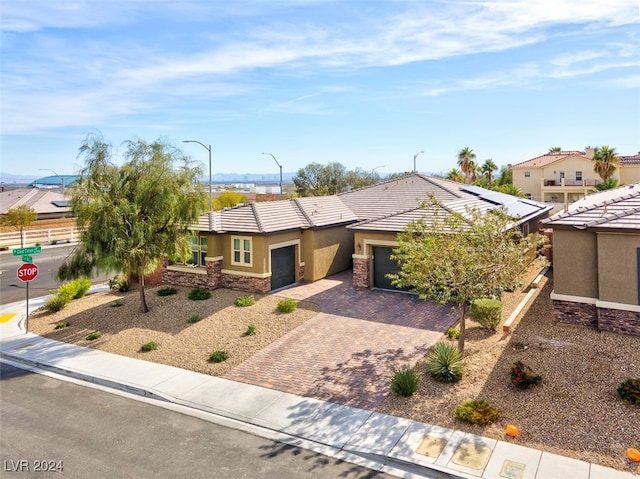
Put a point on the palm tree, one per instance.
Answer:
(474, 171)
(465, 157)
(605, 161)
(455, 175)
(555, 149)
(487, 168)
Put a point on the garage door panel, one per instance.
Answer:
(283, 267)
(383, 265)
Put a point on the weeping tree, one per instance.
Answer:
(132, 215)
(20, 217)
(453, 257)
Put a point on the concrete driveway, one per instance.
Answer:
(345, 353)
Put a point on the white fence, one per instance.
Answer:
(42, 236)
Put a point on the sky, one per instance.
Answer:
(369, 84)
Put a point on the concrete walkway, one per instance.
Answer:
(393, 445)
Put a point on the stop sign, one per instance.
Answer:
(27, 272)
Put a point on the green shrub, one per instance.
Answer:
(487, 312)
(61, 325)
(629, 390)
(93, 336)
(194, 318)
(453, 333)
(287, 305)
(119, 283)
(444, 362)
(75, 289)
(150, 346)
(522, 376)
(57, 303)
(218, 356)
(199, 294)
(243, 301)
(168, 291)
(404, 381)
(117, 303)
(477, 412)
(251, 330)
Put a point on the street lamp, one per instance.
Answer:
(373, 171)
(414, 160)
(208, 148)
(274, 159)
(61, 177)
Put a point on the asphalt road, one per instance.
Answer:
(12, 289)
(51, 424)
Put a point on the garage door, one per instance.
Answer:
(382, 265)
(283, 267)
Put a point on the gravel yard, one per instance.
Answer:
(574, 412)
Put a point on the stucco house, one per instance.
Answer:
(567, 176)
(48, 204)
(596, 261)
(260, 247)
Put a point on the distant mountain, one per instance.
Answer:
(9, 179)
(250, 178)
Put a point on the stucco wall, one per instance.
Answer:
(618, 267)
(530, 185)
(575, 263)
(331, 252)
(629, 174)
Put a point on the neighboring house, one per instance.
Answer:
(567, 176)
(48, 204)
(596, 261)
(265, 246)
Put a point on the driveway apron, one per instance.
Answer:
(345, 354)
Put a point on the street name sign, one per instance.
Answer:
(31, 250)
(27, 259)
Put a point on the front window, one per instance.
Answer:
(527, 174)
(578, 175)
(241, 250)
(198, 250)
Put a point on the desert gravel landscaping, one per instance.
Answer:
(574, 411)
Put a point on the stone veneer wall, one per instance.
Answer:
(618, 321)
(211, 280)
(360, 273)
(605, 319)
(575, 313)
(246, 283)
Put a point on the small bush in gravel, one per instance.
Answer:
(57, 303)
(404, 381)
(629, 390)
(61, 325)
(117, 303)
(453, 333)
(76, 288)
(487, 312)
(168, 291)
(251, 330)
(243, 301)
(194, 318)
(93, 336)
(218, 356)
(522, 376)
(477, 412)
(444, 362)
(287, 305)
(150, 346)
(119, 283)
(199, 294)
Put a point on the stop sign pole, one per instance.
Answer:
(27, 272)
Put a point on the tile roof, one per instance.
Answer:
(547, 159)
(630, 160)
(43, 201)
(611, 209)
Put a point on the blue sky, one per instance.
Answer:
(364, 83)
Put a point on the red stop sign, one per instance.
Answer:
(27, 272)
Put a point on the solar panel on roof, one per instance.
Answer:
(62, 203)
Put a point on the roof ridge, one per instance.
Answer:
(429, 179)
(390, 215)
(256, 215)
(303, 211)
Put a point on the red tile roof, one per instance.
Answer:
(547, 159)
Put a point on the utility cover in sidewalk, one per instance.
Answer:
(512, 470)
(431, 446)
(472, 455)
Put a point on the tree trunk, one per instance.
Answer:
(463, 313)
(143, 300)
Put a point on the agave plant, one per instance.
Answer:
(444, 362)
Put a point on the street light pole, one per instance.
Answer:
(274, 159)
(414, 160)
(61, 177)
(208, 148)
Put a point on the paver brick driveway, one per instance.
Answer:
(345, 353)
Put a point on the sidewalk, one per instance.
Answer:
(385, 443)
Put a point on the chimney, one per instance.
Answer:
(588, 152)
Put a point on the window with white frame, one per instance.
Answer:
(241, 250)
(578, 175)
(527, 174)
(198, 250)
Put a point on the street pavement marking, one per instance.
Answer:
(6, 317)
